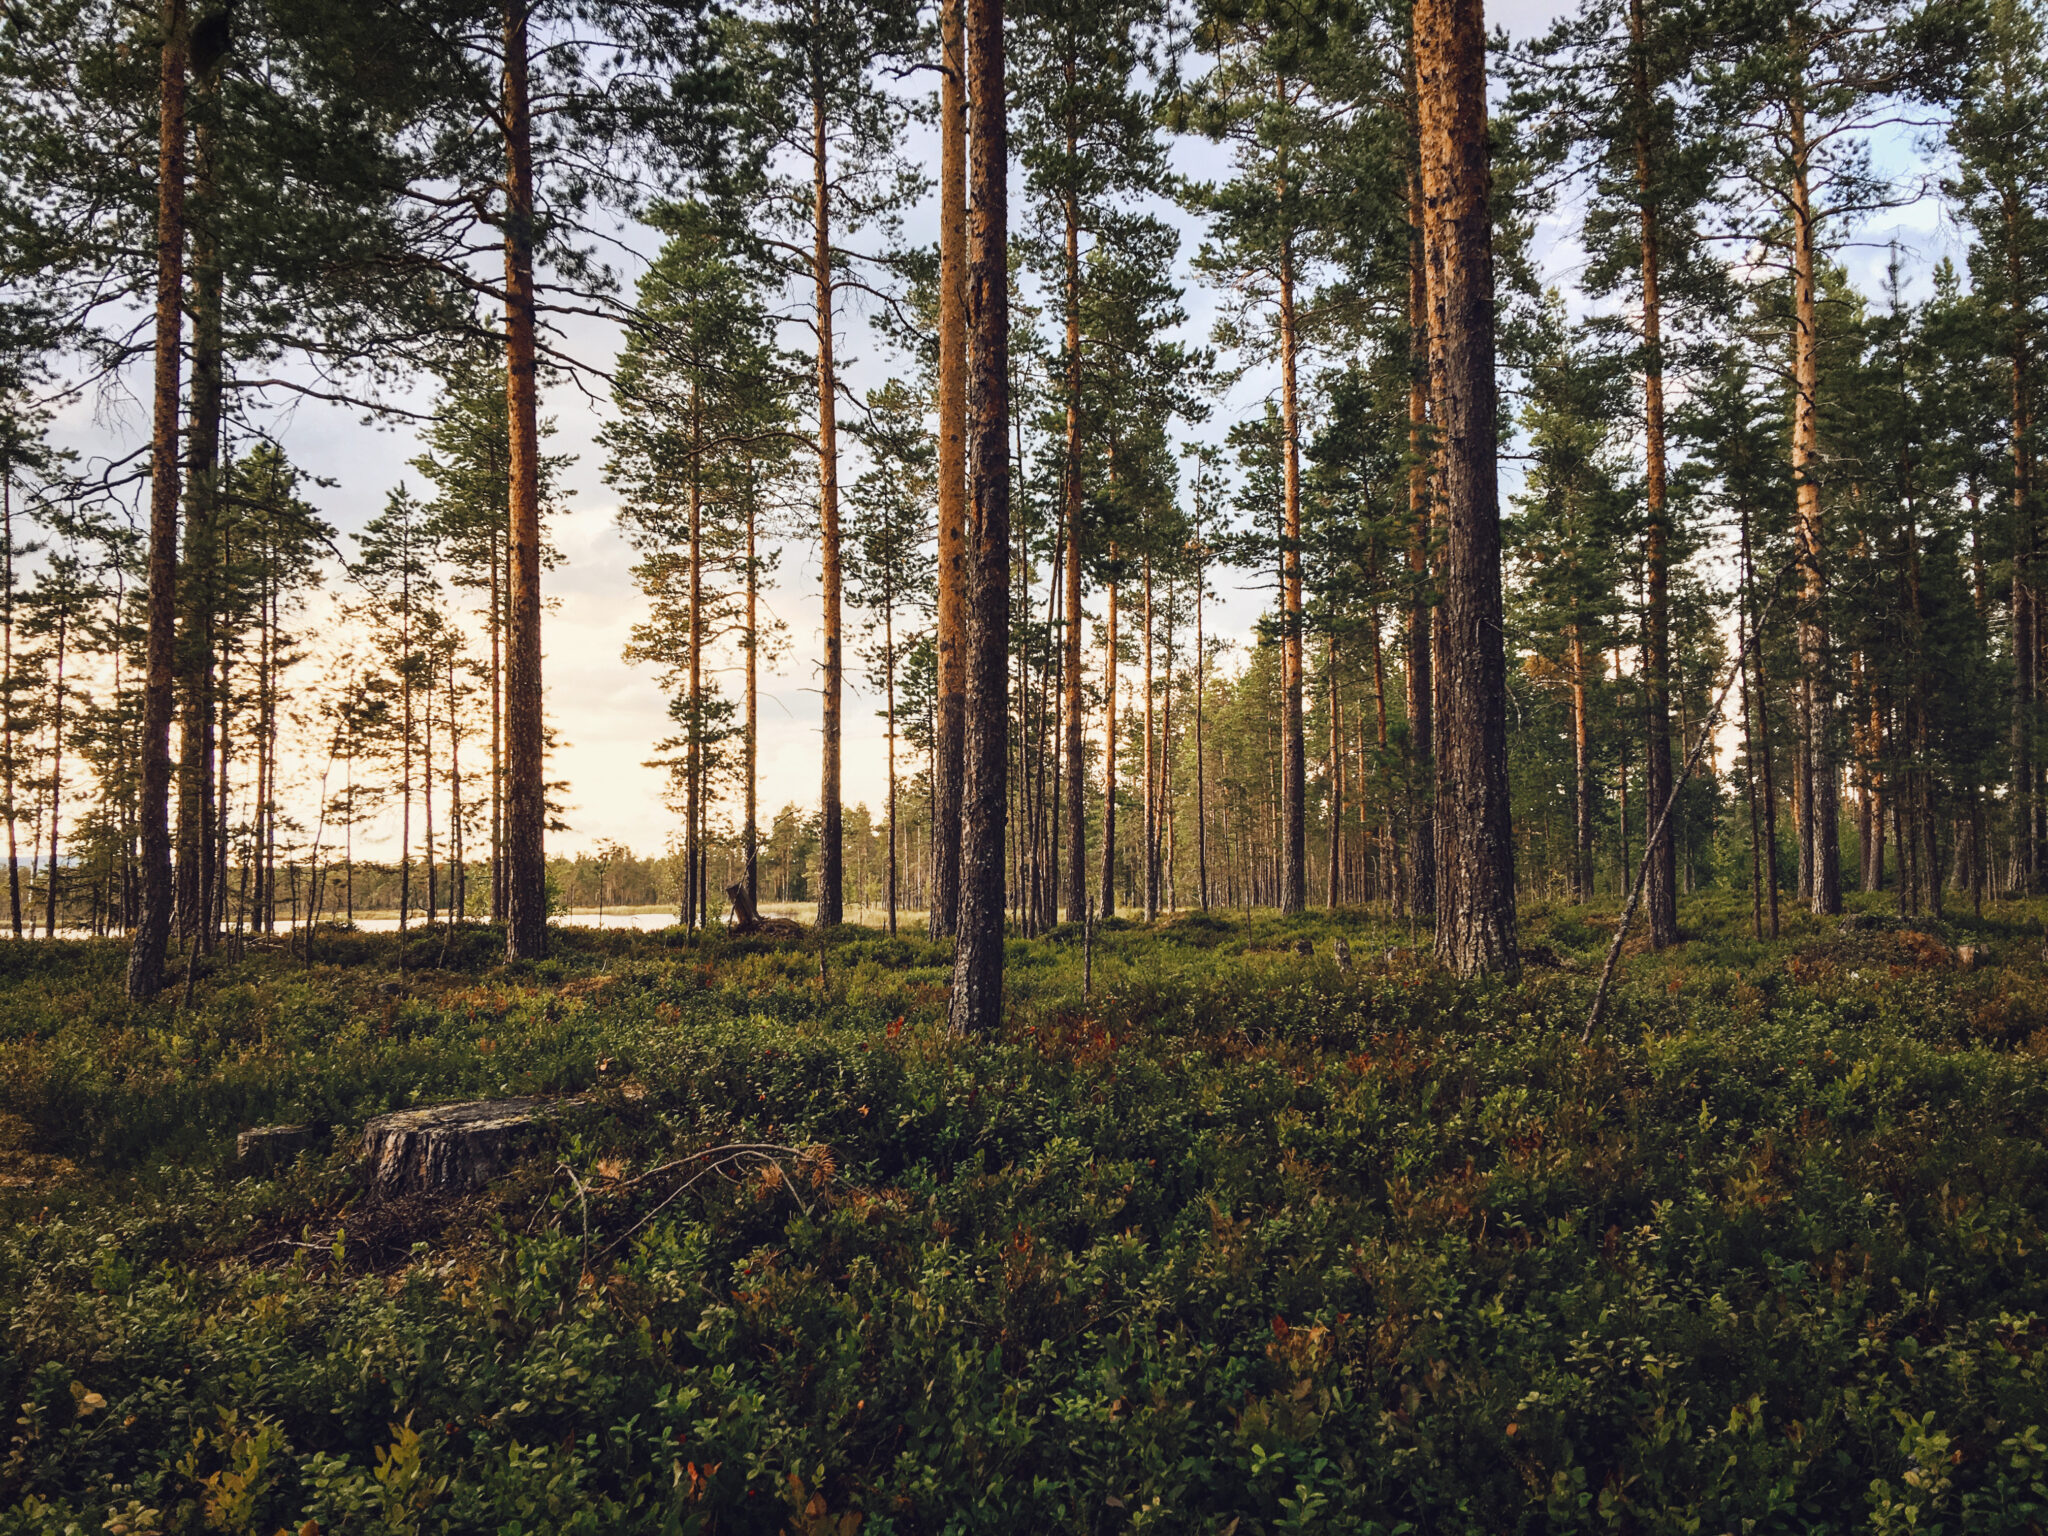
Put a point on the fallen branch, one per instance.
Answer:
(1692, 759)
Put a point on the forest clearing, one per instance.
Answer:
(1241, 1238)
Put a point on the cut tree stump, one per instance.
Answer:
(1341, 947)
(274, 1146)
(448, 1148)
(747, 917)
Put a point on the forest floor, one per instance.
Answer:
(1240, 1242)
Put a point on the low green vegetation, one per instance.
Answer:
(1243, 1241)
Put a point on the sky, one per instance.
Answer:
(608, 712)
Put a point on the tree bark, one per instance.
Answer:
(7, 764)
(1077, 784)
(1582, 773)
(196, 854)
(976, 1005)
(526, 925)
(1108, 890)
(1293, 741)
(750, 834)
(1475, 931)
(56, 784)
(1201, 765)
(1151, 798)
(1419, 693)
(1662, 895)
(153, 929)
(952, 532)
(1819, 829)
(831, 909)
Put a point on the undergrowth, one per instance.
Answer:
(1241, 1242)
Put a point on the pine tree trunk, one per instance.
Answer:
(952, 530)
(1151, 828)
(198, 583)
(1420, 693)
(1475, 854)
(1661, 898)
(2026, 850)
(1109, 752)
(976, 1005)
(830, 815)
(1201, 761)
(1819, 831)
(7, 765)
(56, 783)
(694, 720)
(1582, 773)
(1293, 742)
(750, 834)
(1077, 823)
(153, 928)
(526, 911)
(458, 869)
(497, 739)
(1335, 893)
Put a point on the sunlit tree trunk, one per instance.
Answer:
(1475, 931)
(976, 1005)
(952, 530)
(526, 917)
(831, 669)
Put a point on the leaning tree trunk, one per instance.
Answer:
(951, 705)
(153, 927)
(526, 925)
(977, 1000)
(1475, 863)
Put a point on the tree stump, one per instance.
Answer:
(273, 1146)
(747, 918)
(1342, 948)
(1304, 947)
(447, 1148)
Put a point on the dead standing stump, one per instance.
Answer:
(747, 918)
(448, 1148)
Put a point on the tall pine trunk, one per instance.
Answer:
(830, 816)
(1662, 895)
(1108, 888)
(153, 927)
(750, 833)
(1419, 686)
(1077, 817)
(976, 1005)
(1201, 765)
(952, 531)
(7, 763)
(199, 584)
(526, 915)
(1151, 797)
(1475, 931)
(1293, 742)
(56, 783)
(1818, 826)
